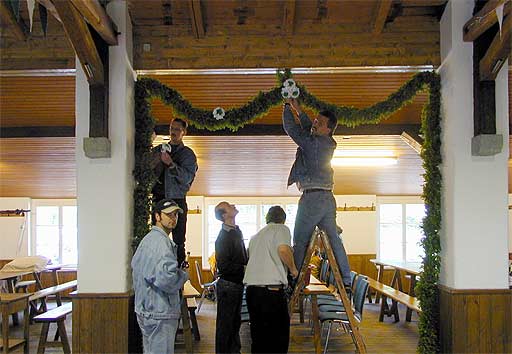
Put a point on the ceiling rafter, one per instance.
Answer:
(81, 39)
(384, 7)
(484, 19)
(289, 17)
(97, 17)
(17, 27)
(498, 52)
(196, 16)
(48, 4)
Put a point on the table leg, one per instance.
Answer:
(397, 280)
(316, 324)
(26, 330)
(10, 288)
(5, 328)
(187, 331)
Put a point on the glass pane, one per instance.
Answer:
(69, 245)
(391, 213)
(69, 215)
(47, 242)
(264, 211)
(246, 220)
(291, 214)
(391, 242)
(214, 226)
(47, 215)
(414, 216)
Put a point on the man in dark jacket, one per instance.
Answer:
(231, 261)
(175, 165)
(313, 175)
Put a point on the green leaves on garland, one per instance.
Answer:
(426, 289)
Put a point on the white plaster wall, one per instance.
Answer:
(194, 243)
(14, 228)
(105, 186)
(474, 188)
(510, 225)
(359, 227)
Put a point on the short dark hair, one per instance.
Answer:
(333, 122)
(219, 212)
(184, 123)
(276, 214)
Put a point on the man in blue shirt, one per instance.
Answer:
(313, 175)
(157, 281)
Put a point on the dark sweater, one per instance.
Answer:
(230, 254)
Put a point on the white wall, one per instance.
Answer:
(14, 228)
(194, 243)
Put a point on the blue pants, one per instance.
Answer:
(229, 306)
(157, 335)
(318, 208)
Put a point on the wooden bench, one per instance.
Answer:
(192, 306)
(44, 293)
(396, 296)
(56, 315)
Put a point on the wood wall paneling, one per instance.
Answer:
(475, 321)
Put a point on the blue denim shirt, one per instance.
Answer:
(312, 166)
(157, 279)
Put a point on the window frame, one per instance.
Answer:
(258, 201)
(403, 201)
(35, 203)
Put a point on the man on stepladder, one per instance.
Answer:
(313, 175)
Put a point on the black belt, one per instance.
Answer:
(315, 190)
(270, 287)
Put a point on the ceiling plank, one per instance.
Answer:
(196, 16)
(97, 17)
(483, 19)
(50, 8)
(382, 15)
(289, 17)
(81, 39)
(7, 16)
(498, 52)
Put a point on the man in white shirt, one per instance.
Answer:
(270, 258)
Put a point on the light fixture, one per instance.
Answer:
(357, 158)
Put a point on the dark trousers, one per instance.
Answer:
(178, 234)
(270, 321)
(229, 306)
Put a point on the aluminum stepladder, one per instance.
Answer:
(354, 323)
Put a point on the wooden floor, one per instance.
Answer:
(385, 337)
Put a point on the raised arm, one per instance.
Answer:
(297, 132)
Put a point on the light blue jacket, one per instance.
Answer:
(179, 178)
(157, 280)
(312, 166)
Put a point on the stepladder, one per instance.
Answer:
(300, 288)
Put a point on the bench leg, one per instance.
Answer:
(408, 315)
(394, 311)
(195, 327)
(43, 337)
(383, 306)
(63, 336)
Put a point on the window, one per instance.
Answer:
(400, 231)
(55, 230)
(250, 219)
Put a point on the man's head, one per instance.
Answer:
(276, 215)
(225, 211)
(165, 214)
(177, 130)
(324, 124)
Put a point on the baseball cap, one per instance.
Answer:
(167, 206)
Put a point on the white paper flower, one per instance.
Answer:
(285, 93)
(295, 92)
(290, 92)
(289, 83)
(219, 113)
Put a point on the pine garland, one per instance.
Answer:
(147, 89)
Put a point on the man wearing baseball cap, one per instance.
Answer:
(157, 280)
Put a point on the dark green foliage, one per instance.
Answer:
(147, 89)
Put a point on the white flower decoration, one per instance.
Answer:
(289, 89)
(219, 113)
(289, 83)
(285, 92)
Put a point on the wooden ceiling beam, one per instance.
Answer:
(81, 39)
(289, 17)
(50, 8)
(484, 19)
(498, 52)
(196, 16)
(382, 15)
(7, 17)
(97, 17)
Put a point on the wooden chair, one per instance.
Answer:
(205, 287)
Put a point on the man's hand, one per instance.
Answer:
(294, 273)
(295, 104)
(166, 159)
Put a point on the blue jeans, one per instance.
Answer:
(229, 306)
(318, 208)
(157, 335)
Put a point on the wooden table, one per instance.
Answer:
(188, 292)
(9, 304)
(413, 269)
(313, 290)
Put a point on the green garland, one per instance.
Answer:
(147, 89)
